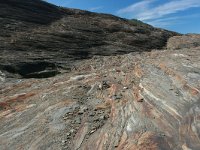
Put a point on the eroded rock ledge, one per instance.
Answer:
(135, 101)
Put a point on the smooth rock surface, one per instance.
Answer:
(42, 113)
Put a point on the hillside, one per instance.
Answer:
(36, 33)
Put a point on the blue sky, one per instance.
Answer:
(178, 15)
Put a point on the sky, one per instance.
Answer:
(182, 16)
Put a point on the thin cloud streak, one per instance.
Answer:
(166, 22)
(145, 11)
(168, 8)
(134, 7)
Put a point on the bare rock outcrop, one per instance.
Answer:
(134, 101)
(52, 97)
(185, 41)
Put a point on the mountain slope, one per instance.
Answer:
(35, 31)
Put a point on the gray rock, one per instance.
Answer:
(78, 120)
(68, 134)
(2, 77)
(102, 117)
(72, 130)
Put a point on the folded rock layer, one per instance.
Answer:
(134, 101)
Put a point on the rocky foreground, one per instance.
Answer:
(135, 101)
(64, 83)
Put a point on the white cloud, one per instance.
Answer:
(146, 11)
(140, 6)
(168, 21)
(164, 22)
